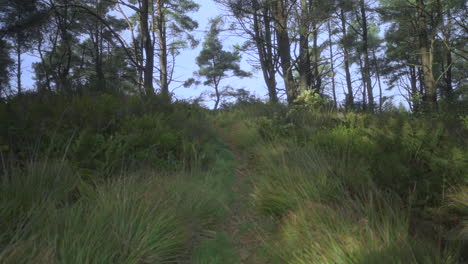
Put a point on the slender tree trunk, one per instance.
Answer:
(141, 69)
(414, 89)
(18, 59)
(43, 64)
(63, 71)
(447, 39)
(422, 89)
(148, 47)
(18, 66)
(317, 77)
(448, 74)
(365, 52)
(54, 73)
(217, 94)
(363, 74)
(350, 94)
(101, 81)
(163, 67)
(332, 64)
(425, 48)
(282, 35)
(270, 57)
(379, 81)
(304, 68)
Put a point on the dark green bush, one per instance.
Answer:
(418, 158)
(104, 134)
(406, 156)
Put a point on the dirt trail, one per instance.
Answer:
(240, 226)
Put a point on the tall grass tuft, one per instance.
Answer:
(27, 193)
(50, 215)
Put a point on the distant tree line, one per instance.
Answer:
(422, 53)
(415, 47)
(82, 48)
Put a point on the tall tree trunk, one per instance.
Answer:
(64, 72)
(350, 94)
(332, 63)
(43, 65)
(148, 47)
(365, 53)
(425, 49)
(448, 74)
(163, 68)
(217, 93)
(414, 89)
(282, 35)
(304, 68)
(379, 81)
(363, 74)
(315, 47)
(141, 69)
(447, 32)
(101, 81)
(422, 89)
(270, 56)
(18, 65)
(263, 42)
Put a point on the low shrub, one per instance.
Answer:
(104, 134)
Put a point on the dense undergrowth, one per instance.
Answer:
(356, 187)
(104, 134)
(109, 179)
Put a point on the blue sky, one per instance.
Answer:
(185, 64)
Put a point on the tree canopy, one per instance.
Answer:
(356, 53)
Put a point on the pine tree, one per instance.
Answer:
(215, 64)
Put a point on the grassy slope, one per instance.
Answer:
(320, 188)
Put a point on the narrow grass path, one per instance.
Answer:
(240, 225)
(236, 239)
